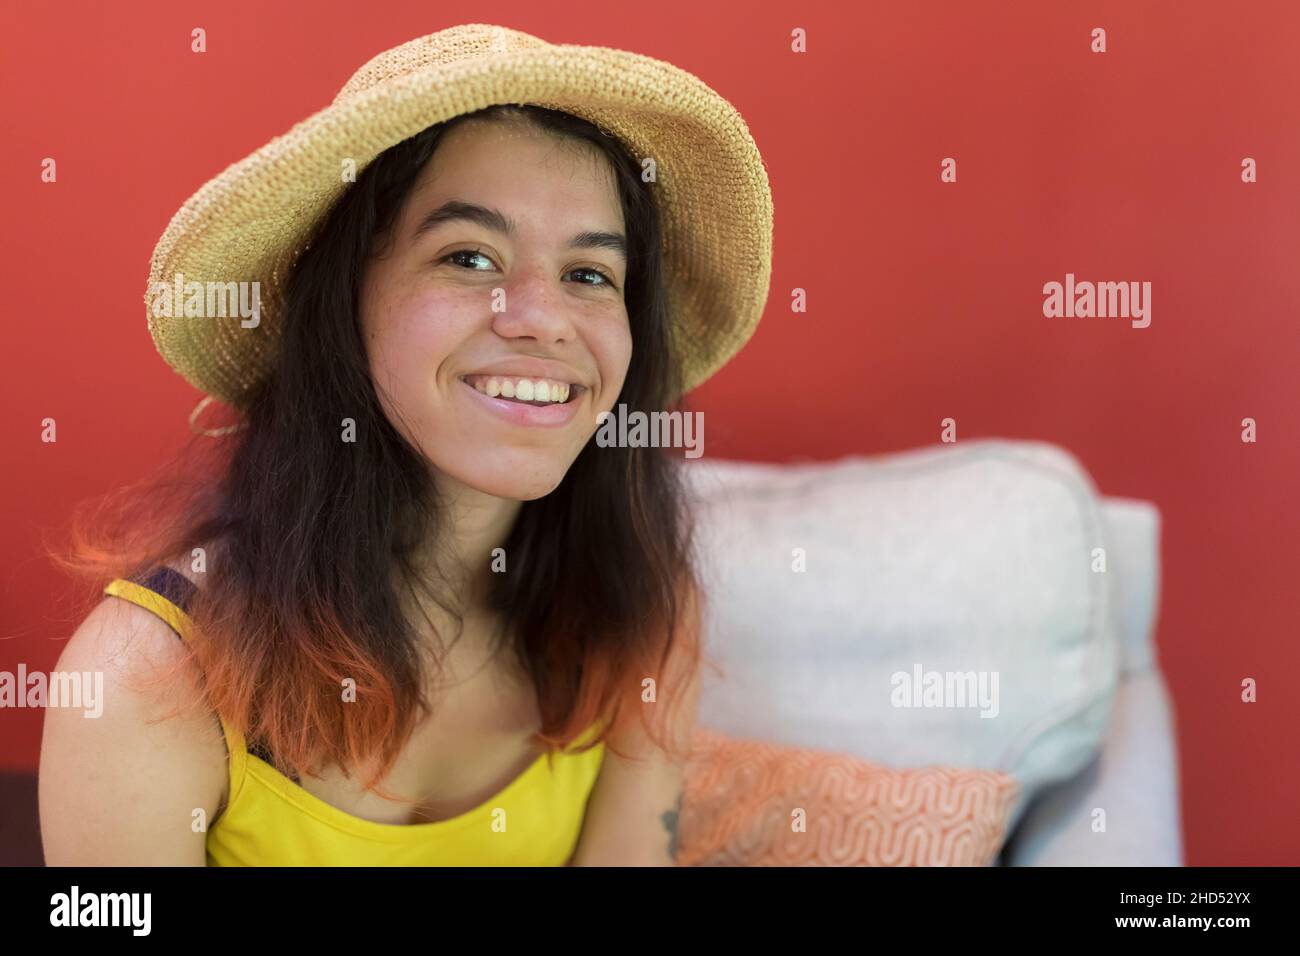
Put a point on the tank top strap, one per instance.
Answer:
(168, 594)
(163, 591)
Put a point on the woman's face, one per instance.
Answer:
(460, 294)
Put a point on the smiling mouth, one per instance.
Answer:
(575, 392)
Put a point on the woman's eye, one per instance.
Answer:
(604, 279)
(467, 254)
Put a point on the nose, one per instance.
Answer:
(534, 307)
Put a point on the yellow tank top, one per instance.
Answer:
(270, 820)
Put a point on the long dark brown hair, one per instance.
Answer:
(298, 529)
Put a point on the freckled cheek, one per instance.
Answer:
(417, 337)
(613, 354)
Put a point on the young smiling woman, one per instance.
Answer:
(436, 622)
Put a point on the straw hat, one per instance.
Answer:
(252, 221)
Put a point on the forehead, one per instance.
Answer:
(536, 177)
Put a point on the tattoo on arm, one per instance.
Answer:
(670, 819)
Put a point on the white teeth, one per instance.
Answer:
(527, 390)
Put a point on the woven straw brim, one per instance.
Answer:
(252, 221)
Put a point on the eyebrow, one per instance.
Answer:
(455, 210)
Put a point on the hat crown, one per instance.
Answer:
(467, 42)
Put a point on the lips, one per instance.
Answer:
(525, 414)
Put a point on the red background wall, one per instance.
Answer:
(924, 298)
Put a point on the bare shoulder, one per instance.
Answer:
(125, 785)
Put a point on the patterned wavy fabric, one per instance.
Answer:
(750, 803)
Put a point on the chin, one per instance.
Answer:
(518, 484)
